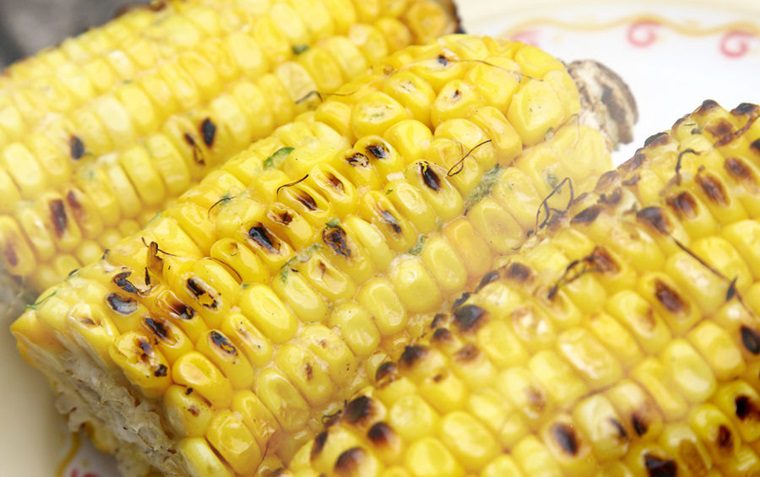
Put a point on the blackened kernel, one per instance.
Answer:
(161, 371)
(208, 131)
(349, 462)
(181, 311)
(745, 109)
(359, 411)
(467, 353)
(519, 272)
(750, 339)
(725, 439)
(441, 335)
(122, 305)
(305, 199)
(381, 434)
(412, 354)
(392, 221)
(744, 407)
(707, 106)
(639, 424)
(438, 320)
(386, 372)
(58, 216)
(566, 438)
(121, 280)
(461, 299)
(738, 168)
(669, 298)
(587, 215)
(263, 238)
(658, 139)
(634, 162)
(429, 177)
(602, 262)
(442, 60)
(619, 429)
(612, 198)
(489, 277)
(684, 204)
(379, 151)
(318, 445)
(335, 238)
(655, 218)
(659, 467)
(721, 129)
(75, 205)
(606, 180)
(76, 147)
(223, 343)
(469, 317)
(712, 188)
(157, 327)
(755, 146)
(358, 159)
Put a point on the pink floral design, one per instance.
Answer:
(736, 43)
(643, 33)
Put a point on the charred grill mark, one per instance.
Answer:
(725, 439)
(412, 354)
(750, 339)
(460, 300)
(639, 424)
(378, 151)
(655, 218)
(442, 335)
(659, 467)
(438, 320)
(683, 204)
(489, 277)
(386, 373)
(606, 180)
(566, 438)
(469, 317)
(336, 238)
(158, 328)
(713, 189)
(223, 343)
(58, 216)
(745, 109)
(587, 215)
(359, 411)
(720, 129)
(263, 238)
(161, 371)
(622, 434)
(601, 261)
(202, 293)
(739, 169)
(467, 353)
(519, 272)
(76, 147)
(613, 198)
(706, 106)
(208, 131)
(358, 159)
(380, 434)
(429, 177)
(392, 221)
(334, 182)
(318, 445)
(181, 311)
(121, 305)
(669, 298)
(659, 139)
(305, 199)
(349, 461)
(121, 280)
(197, 153)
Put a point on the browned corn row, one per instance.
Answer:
(625, 341)
(214, 76)
(254, 305)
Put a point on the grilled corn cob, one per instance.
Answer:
(622, 342)
(196, 84)
(256, 303)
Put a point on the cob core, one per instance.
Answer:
(228, 329)
(623, 341)
(100, 134)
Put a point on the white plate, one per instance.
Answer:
(674, 55)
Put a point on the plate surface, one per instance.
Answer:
(673, 54)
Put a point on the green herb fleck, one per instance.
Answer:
(484, 188)
(277, 158)
(551, 179)
(334, 222)
(417, 249)
(389, 192)
(298, 49)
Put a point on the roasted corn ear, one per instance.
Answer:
(98, 135)
(239, 319)
(622, 340)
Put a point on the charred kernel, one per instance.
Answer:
(318, 445)
(429, 177)
(606, 180)
(519, 272)
(161, 371)
(358, 160)
(612, 198)
(121, 305)
(632, 181)
(262, 237)
(75, 206)
(566, 438)
(602, 262)
(669, 298)
(721, 129)
(284, 218)
(389, 219)
(621, 432)
(640, 426)
(305, 199)
(683, 204)
(755, 146)
(738, 169)
(743, 109)
(223, 343)
(460, 300)
(197, 154)
(469, 317)
(308, 371)
(208, 131)
(380, 434)
(181, 311)
(379, 151)
(194, 411)
(412, 354)
(76, 148)
(438, 320)
(442, 60)
(349, 461)
(658, 139)
(724, 439)
(587, 215)
(489, 277)
(359, 411)
(441, 335)
(58, 215)
(121, 280)
(467, 353)
(634, 162)
(336, 183)
(750, 339)
(713, 189)
(386, 372)
(706, 106)
(146, 348)
(157, 328)
(659, 467)
(745, 408)
(654, 217)
(335, 238)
